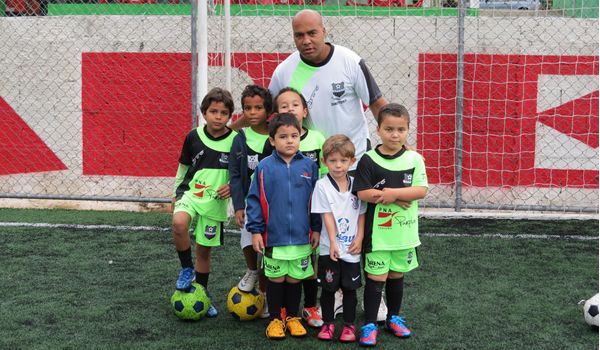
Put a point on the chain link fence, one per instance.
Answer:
(96, 98)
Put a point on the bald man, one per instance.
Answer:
(333, 79)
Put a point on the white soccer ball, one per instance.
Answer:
(590, 311)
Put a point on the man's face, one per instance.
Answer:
(309, 37)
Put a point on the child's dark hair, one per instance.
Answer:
(283, 119)
(217, 95)
(288, 89)
(338, 144)
(257, 90)
(394, 110)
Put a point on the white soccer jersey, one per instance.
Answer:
(345, 207)
(335, 91)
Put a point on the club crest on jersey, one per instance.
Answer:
(338, 89)
(304, 264)
(328, 276)
(224, 159)
(407, 179)
(210, 231)
(354, 201)
(312, 155)
(252, 161)
(343, 225)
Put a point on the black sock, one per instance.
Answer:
(372, 298)
(275, 300)
(310, 292)
(394, 288)
(349, 304)
(327, 304)
(202, 278)
(185, 258)
(293, 292)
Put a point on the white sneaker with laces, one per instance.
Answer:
(338, 305)
(247, 282)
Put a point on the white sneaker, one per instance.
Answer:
(338, 305)
(382, 312)
(247, 282)
(265, 312)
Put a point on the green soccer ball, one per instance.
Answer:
(191, 305)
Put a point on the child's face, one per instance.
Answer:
(286, 141)
(216, 116)
(393, 132)
(290, 102)
(254, 110)
(338, 165)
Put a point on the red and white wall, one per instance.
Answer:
(100, 105)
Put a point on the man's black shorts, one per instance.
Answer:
(336, 274)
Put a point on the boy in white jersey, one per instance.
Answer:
(391, 178)
(341, 237)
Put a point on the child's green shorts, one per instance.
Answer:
(297, 268)
(383, 261)
(208, 232)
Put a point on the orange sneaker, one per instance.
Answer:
(295, 327)
(275, 329)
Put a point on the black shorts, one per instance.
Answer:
(336, 274)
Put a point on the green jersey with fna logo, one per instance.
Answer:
(208, 159)
(389, 226)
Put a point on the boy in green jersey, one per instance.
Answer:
(390, 178)
(289, 100)
(202, 189)
(250, 146)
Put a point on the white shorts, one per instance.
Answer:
(245, 238)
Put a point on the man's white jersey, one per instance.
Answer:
(336, 92)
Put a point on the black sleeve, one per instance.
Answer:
(362, 178)
(186, 155)
(374, 92)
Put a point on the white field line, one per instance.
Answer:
(425, 234)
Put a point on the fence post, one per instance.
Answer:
(459, 105)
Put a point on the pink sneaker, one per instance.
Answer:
(326, 332)
(348, 335)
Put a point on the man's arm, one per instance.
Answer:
(241, 122)
(376, 106)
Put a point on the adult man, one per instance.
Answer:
(334, 80)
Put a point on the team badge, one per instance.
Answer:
(252, 161)
(224, 159)
(407, 181)
(304, 264)
(409, 258)
(338, 89)
(328, 276)
(210, 231)
(354, 201)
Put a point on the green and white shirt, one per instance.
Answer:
(389, 226)
(335, 91)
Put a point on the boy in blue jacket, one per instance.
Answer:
(283, 230)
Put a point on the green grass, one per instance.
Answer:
(59, 290)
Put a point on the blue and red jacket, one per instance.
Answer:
(278, 202)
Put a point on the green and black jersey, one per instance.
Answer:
(311, 146)
(259, 147)
(206, 159)
(389, 226)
